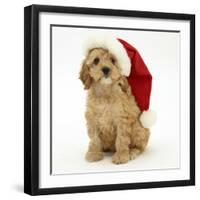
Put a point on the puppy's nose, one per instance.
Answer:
(105, 70)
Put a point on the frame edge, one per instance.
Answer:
(27, 100)
(192, 99)
(31, 101)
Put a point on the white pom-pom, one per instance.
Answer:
(148, 118)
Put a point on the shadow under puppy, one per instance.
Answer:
(114, 118)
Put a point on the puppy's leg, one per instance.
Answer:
(139, 140)
(122, 144)
(95, 150)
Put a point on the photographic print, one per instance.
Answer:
(112, 97)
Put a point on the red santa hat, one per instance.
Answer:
(133, 67)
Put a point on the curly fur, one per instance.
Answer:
(112, 113)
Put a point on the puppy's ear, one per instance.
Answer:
(85, 76)
(124, 85)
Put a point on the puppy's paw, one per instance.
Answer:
(94, 156)
(119, 158)
(134, 153)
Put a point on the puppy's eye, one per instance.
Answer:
(113, 60)
(96, 61)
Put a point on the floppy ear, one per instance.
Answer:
(123, 83)
(85, 76)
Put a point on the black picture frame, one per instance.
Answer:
(31, 98)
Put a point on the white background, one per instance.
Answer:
(11, 102)
(157, 57)
(161, 53)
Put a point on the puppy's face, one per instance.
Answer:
(101, 67)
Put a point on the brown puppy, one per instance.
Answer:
(112, 113)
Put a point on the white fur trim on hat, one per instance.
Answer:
(113, 46)
(148, 118)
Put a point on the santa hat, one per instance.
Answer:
(133, 67)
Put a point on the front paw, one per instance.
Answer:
(119, 158)
(94, 156)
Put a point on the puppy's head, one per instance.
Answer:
(101, 67)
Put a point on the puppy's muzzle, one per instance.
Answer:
(105, 70)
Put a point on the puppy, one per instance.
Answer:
(112, 113)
